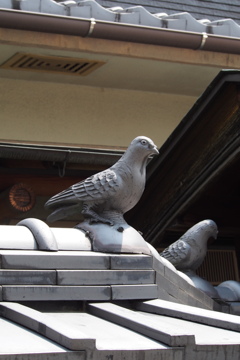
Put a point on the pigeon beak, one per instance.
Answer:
(155, 150)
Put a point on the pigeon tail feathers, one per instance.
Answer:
(64, 212)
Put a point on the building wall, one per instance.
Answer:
(79, 115)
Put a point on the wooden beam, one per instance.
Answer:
(204, 145)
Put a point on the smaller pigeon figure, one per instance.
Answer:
(107, 195)
(189, 251)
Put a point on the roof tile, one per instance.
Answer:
(135, 15)
(227, 27)
(184, 21)
(91, 9)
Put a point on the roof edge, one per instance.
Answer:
(50, 23)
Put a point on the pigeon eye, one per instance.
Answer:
(143, 142)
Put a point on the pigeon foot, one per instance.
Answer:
(94, 217)
(101, 220)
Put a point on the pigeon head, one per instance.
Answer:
(137, 154)
(142, 145)
(210, 227)
(203, 231)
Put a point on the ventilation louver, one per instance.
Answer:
(52, 64)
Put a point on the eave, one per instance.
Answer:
(99, 29)
(202, 149)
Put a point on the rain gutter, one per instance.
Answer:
(66, 25)
(59, 154)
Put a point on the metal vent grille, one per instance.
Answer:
(219, 266)
(52, 64)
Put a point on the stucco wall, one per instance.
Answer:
(80, 115)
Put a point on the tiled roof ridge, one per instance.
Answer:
(43, 263)
(133, 15)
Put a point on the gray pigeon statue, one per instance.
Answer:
(107, 195)
(189, 251)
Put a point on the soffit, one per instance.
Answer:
(119, 72)
(123, 72)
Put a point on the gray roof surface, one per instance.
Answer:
(58, 264)
(212, 9)
(217, 18)
(69, 330)
(78, 334)
(64, 300)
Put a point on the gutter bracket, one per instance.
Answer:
(203, 42)
(62, 169)
(91, 27)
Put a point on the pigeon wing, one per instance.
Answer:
(95, 188)
(177, 253)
